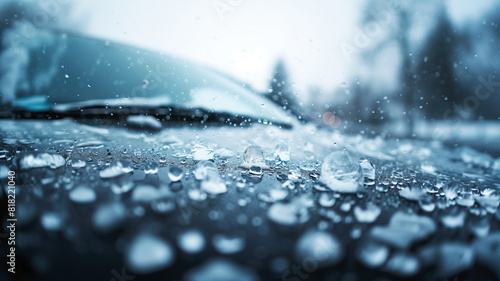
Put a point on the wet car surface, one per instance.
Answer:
(246, 203)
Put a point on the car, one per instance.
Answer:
(119, 163)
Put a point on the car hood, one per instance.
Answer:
(304, 147)
(87, 181)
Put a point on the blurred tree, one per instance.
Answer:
(281, 93)
(437, 82)
(394, 32)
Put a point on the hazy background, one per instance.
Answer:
(403, 65)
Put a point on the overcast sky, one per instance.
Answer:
(246, 37)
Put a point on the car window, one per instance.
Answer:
(66, 69)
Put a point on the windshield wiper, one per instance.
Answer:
(174, 116)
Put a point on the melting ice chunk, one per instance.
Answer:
(368, 168)
(372, 254)
(121, 184)
(82, 194)
(30, 160)
(451, 258)
(148, 253)
(404, 229)
(427, 203)
(282, 151)
(273, 195)
(218, 269)
(211, 182)
(202, 150)
(321, 246)
(326, 200)
(454, 220)
(191, 241)
(78, 163)
(224, 153)
(108, 217)
(402, 264)
(488, 252)
(51, 221)
(341, 173)
(145, 193)
(367, 214)
(144, 121)
(228, 244)
(412, 194)
(203, 168)
(253, 156)
(116, 169)
(471, 156)
(288, 213)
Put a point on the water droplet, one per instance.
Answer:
(151, 167)
(255, 171)
(148, 253)
(175, 173)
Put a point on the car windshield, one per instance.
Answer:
(64, 72)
